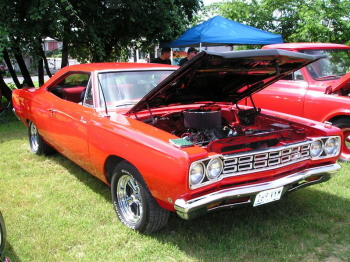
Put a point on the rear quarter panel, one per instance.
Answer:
(32, 104)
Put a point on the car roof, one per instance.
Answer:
(305, 46)
(105, 67)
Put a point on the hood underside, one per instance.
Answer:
(223, 77)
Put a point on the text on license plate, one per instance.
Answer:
(268, 196)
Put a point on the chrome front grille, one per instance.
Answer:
(249, 162)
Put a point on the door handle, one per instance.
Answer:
(52, 111)
(82, 120)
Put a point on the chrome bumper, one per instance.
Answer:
(201, 205)
(14, 111)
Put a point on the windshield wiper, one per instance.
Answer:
(327, 77)
(126, 104)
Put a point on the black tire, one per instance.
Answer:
(344, 124)
(37, 144)
(133, 202)
(2, 235)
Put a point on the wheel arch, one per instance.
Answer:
(343, 122)
(111, 162)
(335, 118)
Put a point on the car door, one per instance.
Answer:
(286, 95)
(69, 127)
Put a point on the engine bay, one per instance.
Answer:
(225, 129)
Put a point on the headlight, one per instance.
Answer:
(331, 146)
(196, 174)
(214, 168)
(316, 148)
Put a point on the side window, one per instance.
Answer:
(89, 100)
(296, 76)
(71, 86)
(75, 79)
(288, 77)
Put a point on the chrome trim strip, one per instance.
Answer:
(184, 207)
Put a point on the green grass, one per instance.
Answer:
(55, 211)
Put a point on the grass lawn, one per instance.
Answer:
(55, 211)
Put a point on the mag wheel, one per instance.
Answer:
(133, 202)
(344, 125)
(37, 144)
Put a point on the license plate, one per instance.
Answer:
(268, 196)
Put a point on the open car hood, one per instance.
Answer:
(223, 77)
(338, 84)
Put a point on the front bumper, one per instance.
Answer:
(245, 195)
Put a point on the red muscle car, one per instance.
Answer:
(319, 91)
(182, 145)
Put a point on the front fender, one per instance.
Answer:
(163, 166)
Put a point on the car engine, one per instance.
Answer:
(204, 125)
(224, 129)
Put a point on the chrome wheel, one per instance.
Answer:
(37, 144)
(133, 203)
(33, 137)
(347, 138)
(345, 154)
(129, 199)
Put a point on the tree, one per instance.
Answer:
(91, 30)
(296, 21)
(24, 24)
(104, 29)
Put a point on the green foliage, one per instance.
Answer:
(94, 30)
(296, 21)
(102, 30)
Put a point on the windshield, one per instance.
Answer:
(334, 66)
(121, 88)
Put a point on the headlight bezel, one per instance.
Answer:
(202, 176)
(336, 145)
(212, 162)
(320, 148)
(206, 178)
(325, 141)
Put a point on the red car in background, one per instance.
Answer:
(320, 91)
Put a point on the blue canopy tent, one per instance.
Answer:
(222, 31)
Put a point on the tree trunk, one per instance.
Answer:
(41, 72)
(44, 59)
(65, 46)
(5, 90)
(41, 60)
(23, 67)
(64, 61)
(10, 68)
